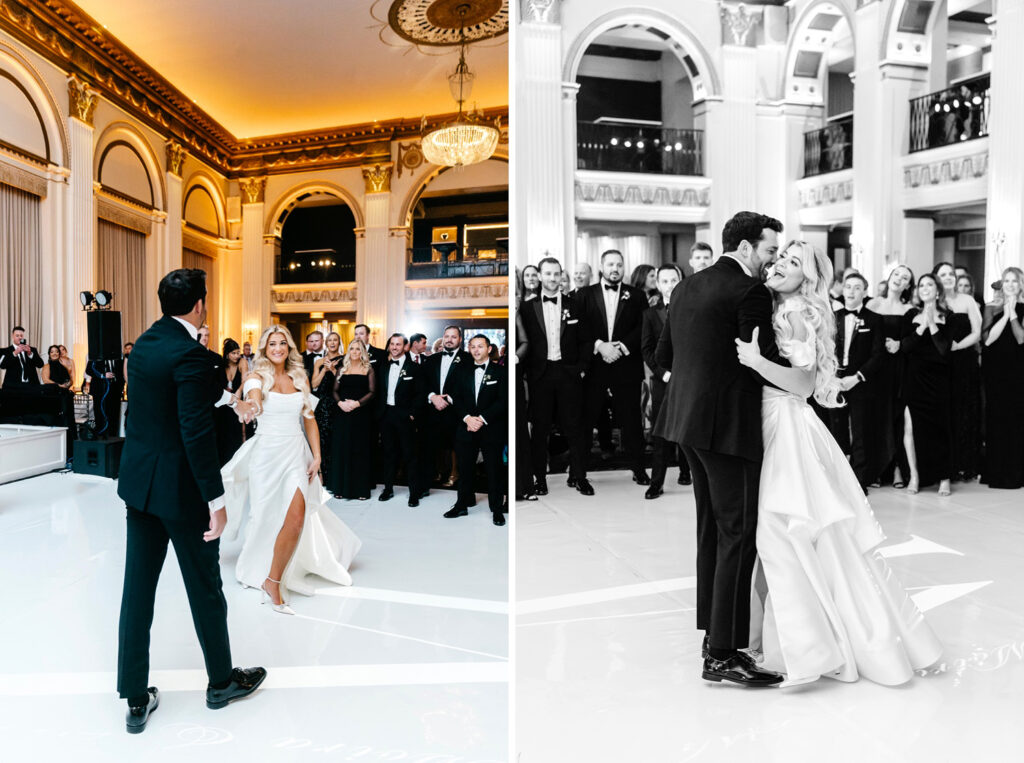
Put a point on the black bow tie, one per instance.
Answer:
(550, 299)
(611, 287)
(449, 353)
(856, 312)
(481, 365)
(393, 362)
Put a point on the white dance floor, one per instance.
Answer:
(607, 655)
(409, 664)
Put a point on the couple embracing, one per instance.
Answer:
(787, 559)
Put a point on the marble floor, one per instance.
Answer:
(607, 655)
(410, 663)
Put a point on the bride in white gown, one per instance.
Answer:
(824, 601)
(290, 533)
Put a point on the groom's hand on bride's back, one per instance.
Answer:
(218, 519)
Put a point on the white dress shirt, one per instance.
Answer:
(850, 327)
(611, 304)
(394, 372)
(553, 325)
(446, 365)
(745, 268)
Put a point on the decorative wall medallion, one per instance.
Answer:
(81, 100)
(252, 189)
(540, 11)
(175, 157)
(378, 178)
(437, 22)
(410, 156)
(955, 170)
(739, 21)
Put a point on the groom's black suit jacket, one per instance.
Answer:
(713, 402)
(169, 466)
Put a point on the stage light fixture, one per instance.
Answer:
(103, 298)
(86, 297)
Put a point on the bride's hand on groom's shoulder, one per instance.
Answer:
(749, 353)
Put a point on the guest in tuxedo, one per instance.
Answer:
(531, 281)
(481, 408)
(668, 277)
(559, 352)
(313, 352)
(701, 256)
(173, 490)
(1002, 365)
(439, 422)
(20, 361)
(860, 347)
(106, 385)
(614, 315)
(204, 337)
(582, 276)
(248, 359)
(401, 398)
(418, 348)
(377, 355)
(928, 434)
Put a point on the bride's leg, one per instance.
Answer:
(908, 443)
(284, 546)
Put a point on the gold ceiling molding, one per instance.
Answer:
(81, 100)
(378, 178)
(253, 190)
(175, 157)
(72, 40)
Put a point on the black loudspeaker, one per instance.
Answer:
(99, 457)
(104, 334)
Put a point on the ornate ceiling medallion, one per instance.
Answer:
(441, 22)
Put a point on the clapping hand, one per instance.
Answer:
(749, 353)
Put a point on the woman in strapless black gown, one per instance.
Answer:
(349, 474)
(324, 376)
(230, 431)
(926, 342)
(1003, 371)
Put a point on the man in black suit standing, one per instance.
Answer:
(377, 356)
(713, 410)
(437, 435)
(173, 491)
(400, 392)
(558, 354)
(481, 408)
(860, 348)
(614, 314)
(314, 349)
(669, 277)
(106, 386)
(20, 361)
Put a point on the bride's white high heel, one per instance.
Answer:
(265, 596)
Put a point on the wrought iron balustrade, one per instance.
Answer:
(468, 262)
(829, 149)
(636, 148)
(954, 115)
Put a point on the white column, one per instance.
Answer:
(881, 96)
(1005, 223)
(81, 220)
(169, 234)
(541, 195)
(917, 243)
(61, 304)
(815, 235)
(379, 271)
(780, 160)
(569, 92)
(253, 314)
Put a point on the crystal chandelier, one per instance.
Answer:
(469, 139)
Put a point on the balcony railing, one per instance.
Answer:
(475, 262)
(635, 148)
(829, 149)
(956, 114)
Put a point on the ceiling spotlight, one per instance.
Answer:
(86, 297)
(614, 141)
(103, 298)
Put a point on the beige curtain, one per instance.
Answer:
(21, 285)
(199, 261)
(121, 256)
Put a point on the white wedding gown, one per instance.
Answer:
(263, 476)
(832, 606)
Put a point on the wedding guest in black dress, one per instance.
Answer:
(230, 431)
(524, 474)
(1003, 370)
(965, 369)
(55, 372)
(892, 304)
(324, 375)
(926, 341)
(351, 425)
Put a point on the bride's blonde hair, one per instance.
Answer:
(816, 308)
(264, 369)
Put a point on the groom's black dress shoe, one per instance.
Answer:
(456, 511)
(641, 477)
(136, 718)
(498, 518)
(584, 487)
(386, 494)
(244, 681)
(541, 486)
(413, 502)
(684, 479)
(739, 669)
(653, 491)
(570, 481)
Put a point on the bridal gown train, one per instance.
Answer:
(832, 607)
(263, 476)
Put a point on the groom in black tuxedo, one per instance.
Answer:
(172, 486)
(712, 408)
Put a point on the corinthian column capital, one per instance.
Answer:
(81, 100)
(378, 178)
(252, 189)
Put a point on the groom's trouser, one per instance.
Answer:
(200, 569)
(726, 490)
